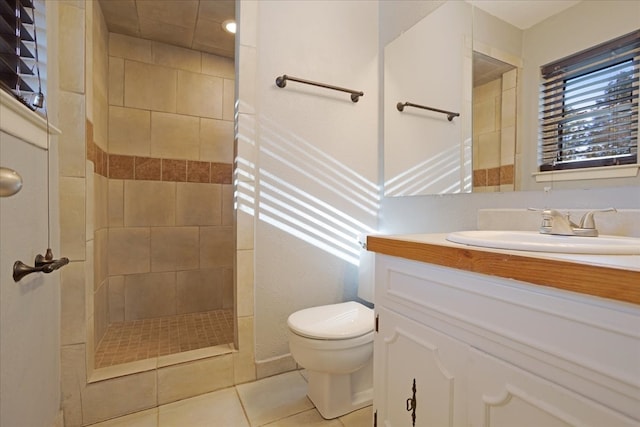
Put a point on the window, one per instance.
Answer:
(21, 58)
(589, 107)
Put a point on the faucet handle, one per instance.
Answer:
(587, 220)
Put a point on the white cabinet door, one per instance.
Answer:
(406, 351)
(504, 395)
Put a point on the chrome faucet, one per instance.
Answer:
(555, 222)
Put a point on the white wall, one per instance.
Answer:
(580, 27)
(315, 155)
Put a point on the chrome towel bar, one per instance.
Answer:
(450, 115)
(281, 81)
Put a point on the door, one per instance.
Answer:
(29, 309)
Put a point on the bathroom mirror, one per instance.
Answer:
(487, 69)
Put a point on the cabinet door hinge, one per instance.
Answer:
(375, 419)
(377, 321)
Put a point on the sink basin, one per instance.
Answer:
(534, 241)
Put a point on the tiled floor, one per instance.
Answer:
(278, 401)
(143, 339)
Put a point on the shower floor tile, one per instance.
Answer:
(135, 340)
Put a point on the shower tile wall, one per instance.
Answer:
(170, 198)
(494, 134)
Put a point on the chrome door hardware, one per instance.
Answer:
(10, 182)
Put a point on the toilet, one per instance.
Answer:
(334, 343)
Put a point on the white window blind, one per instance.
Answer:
(23, 50)
(589, 107)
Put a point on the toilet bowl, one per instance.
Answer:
(334, 343)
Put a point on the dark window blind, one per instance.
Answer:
(589, 107)
(19, 68)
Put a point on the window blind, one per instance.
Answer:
(589, 107)
(20, 70)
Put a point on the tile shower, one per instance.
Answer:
(164, 255)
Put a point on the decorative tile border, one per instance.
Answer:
(119, 166)
(493, 176)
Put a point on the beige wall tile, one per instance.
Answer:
(228, 214)
(101, 312)
(71, 48)
(198, 204)
(116, 81)
(489, 150)
(101, 117)
(129, 131)
(116, 203)
(149, 203)
(245, 287)
(228, 99)
(191, 379)
(101, 256)
(219, 66)
(129, 251)
(116, 299)
(244, 359)
(72, 304)
(176, 57)
(101, 197)
(217, 246)
(174, 248)
(142, 83)
(200, 95)
(73, 378)
(228, 288)
(508, 108)
(72, 143)
(92, 199)
(127, 47)
(199, 290)
(149, 295)
(175, 136)
(510, 79)
(216, 140)
(118, 396)
(484, 116)
(89, 273)
(507, 145)
(72, 218)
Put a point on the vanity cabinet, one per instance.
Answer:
(488, 351)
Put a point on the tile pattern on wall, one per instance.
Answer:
(144, 339)
(118, 166)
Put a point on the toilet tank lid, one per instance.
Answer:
(336, 321)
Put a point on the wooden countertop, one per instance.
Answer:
(614, 277)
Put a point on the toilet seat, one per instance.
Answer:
(333, 322)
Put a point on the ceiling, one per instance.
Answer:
(523, 13)
(194, 24)
(197, 24)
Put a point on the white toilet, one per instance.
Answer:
(334, 343)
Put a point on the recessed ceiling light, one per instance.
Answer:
(229, 26)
